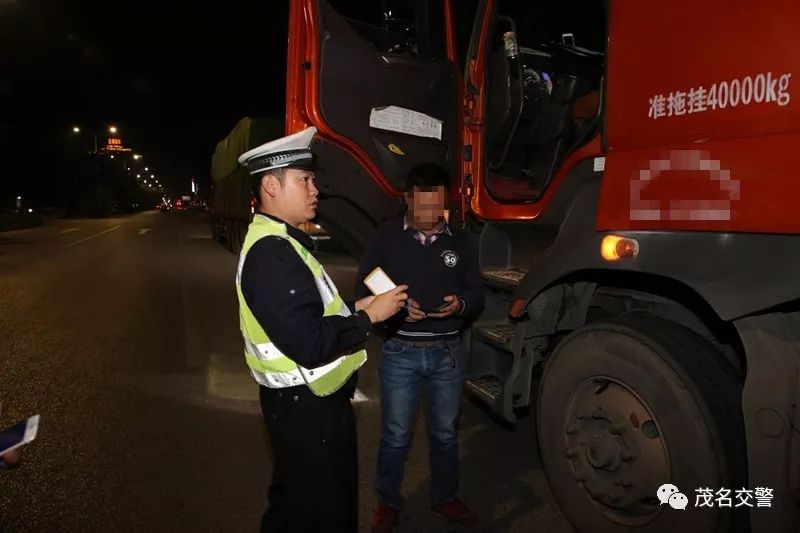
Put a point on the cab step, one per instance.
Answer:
(504, 278)
(488, 387)
(500, 335)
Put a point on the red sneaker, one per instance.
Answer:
(384, 518)
(456, 512)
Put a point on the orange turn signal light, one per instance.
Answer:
(615, 248)
(517, 307)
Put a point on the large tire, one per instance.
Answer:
(243, 226)
(212, 226)
(234, 236)
(627, 405)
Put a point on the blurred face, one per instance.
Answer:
(294, 200)
(426, 206)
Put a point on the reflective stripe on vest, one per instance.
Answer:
(268, 365)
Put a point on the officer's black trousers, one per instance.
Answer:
(314, 487)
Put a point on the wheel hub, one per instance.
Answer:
(616, 450)
(604, 453)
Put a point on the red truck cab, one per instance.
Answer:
(626, 169)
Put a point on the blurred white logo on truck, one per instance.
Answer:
(688, 209)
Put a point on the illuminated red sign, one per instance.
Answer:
(115, 144)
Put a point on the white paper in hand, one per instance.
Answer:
(378, 282)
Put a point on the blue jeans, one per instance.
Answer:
(404, 371)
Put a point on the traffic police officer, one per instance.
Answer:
(303, 346)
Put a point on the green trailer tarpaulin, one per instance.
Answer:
(231, 181)
(247, 134)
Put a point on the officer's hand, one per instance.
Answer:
(415, 314)
(364, 302)
(387, 304)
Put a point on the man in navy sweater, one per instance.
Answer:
(423, 347)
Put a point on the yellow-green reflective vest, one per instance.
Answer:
(268, 365)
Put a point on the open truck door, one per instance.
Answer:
(382, 87)
(534, 80)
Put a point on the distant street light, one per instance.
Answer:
(152, 176)
(139, 176)
(137, 156)
(112, 129)
(146, 169)
(76, 130)
(112, 157)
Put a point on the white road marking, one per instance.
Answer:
(143, 231)
(69, 230)
(90, 237)
(359, 397)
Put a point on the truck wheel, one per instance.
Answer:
(243, 226)
(212, 226)
(630, 404)
(235, 244)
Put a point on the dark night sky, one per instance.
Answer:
(173, 76)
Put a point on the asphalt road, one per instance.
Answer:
(123, 335)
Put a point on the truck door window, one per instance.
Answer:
(414, 28)
(543, 103)
(379, 61)
(464, 21)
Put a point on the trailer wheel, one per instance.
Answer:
(630, 404)
(243, 226)
(234, 235)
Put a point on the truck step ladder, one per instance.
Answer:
(503, 278)
(489, 387)
(494, 362)
(500, 335)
